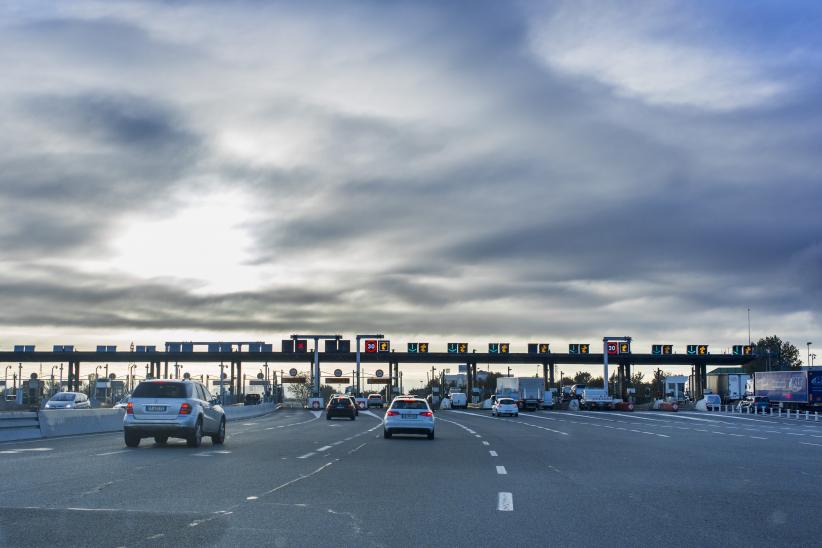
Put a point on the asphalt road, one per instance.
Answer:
(294, 479)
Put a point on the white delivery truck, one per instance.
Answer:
(595, 398)
(527, 391)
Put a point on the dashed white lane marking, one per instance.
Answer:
(30, 449)
(251, 498)
(505, 502)
(324, 448)
(477, 436)
(486, 443)
(501, 470)
(154, 537)
(757, 437)
(809, 443)
(493, 453)
(306, 455)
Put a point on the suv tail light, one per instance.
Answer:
(426, 414)
(392, 413)
(130, 408)
(185, 409)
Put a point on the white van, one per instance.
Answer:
(459, 400)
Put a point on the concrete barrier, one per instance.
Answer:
(64, 422)
(238, 412)
(19, 425)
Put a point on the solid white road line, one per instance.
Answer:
(505, 502)
(501, 470)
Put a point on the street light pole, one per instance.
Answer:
(809, 343)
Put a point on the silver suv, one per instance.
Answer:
(173, 409)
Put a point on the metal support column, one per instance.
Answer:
(165, 371)
(240, 383)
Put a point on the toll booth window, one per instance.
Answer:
(162, 390)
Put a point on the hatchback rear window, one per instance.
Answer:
(63, 396)
(506, 401)
(409, 405)
(162, 390)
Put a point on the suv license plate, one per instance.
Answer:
(155, 407)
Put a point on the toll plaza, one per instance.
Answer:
(617, 353)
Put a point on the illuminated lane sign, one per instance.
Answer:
(452, 348)
(423, 346)
(463, 348)
(583, 348)
(573, 349)
(613, 348)
(667, 349)
(301, 345)
(702, 350)
(656, 349)
(385, 346)
(413, 348)
(544, 348)
(624, 348)
(504, 347)
(747, 350)
(691, 350)
(493, 348)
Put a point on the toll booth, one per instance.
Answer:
(109, 390)
(675, 387)
(258, 387)
(33, 390)
(215, 389)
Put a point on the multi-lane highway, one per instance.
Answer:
(295, 479)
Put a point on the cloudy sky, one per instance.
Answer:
(478, 171)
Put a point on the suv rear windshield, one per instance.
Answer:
(162, 390)
(409, 405)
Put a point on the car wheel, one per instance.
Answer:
(196, 438)
(132, 440)
(431, 435)
(219, 437)
(160, 440)
(516, 414)
(386, 434)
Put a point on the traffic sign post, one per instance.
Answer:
(611, 345)
(358, 337)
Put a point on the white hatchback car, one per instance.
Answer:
(505, 406)
(408, 416)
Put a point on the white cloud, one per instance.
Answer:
(646, 51)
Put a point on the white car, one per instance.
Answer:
(68, 400)
(505, 406)
(408, 416)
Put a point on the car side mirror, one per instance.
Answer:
(215, 401)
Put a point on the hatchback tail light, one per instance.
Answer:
(426, 414)
(392, 413)
(185, 409)
(130, 409)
